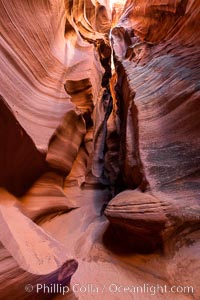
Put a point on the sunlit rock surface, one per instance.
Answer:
(99, 148)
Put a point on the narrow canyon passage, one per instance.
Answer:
(99, 149)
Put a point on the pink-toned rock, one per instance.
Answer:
(159, 93)
(72, 138)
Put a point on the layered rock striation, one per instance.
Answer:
(100, 147)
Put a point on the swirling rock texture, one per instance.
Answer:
(100, 148)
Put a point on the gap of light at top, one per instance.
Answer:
(113, 2)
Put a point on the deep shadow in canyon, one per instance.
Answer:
(99, 146)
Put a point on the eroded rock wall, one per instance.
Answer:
(55, 59)
(75, 134)
(157, 89)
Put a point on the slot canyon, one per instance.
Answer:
(100, 149)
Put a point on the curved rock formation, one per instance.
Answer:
(36, 258)
(160, 127)
(99, 151)
(156, 60)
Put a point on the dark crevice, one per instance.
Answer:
(123, 241)
(132, 174)
(116, 157)
(21, 164)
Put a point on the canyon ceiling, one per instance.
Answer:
(99, 147)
